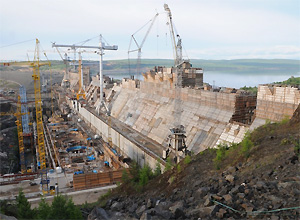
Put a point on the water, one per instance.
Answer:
(232, 79)
(240, 79)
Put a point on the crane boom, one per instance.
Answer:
(177, 132)
(140, 46)
(101, 47)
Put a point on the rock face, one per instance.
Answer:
(264, 186)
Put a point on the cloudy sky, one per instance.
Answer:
(210, 29)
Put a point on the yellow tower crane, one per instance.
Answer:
(39, 117)
(18, 115)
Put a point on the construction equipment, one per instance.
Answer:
(81, 92)
(20, 136)
(24, 110)
(101, 49)
(139, 46)
(177, 137)
(66, 79)
(177, 48)
(22, 123)
(39, 117)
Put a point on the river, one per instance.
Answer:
(233, 79)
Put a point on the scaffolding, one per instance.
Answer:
(20, 136)
(24, 110)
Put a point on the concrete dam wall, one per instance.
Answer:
(206, 115)
(275, 103)
(146, 110)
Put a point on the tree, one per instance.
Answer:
(125, 177)
(24, 210)
(63, 208)
(43, 210)
(145, 175)
(157, 170)
(73, 212)
(134, 171)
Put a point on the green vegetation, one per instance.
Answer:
(157, 170)
(220, 154)
(139, 177)
(290, 81)
(187, 159)
(24, 210)
(239, 65)
(102, 200)
(168, 164)
(224, 150)
(145, 175)
(285, 120)
(43, 209)
(178, 168)
(61, 208)
(246, 145)
(250, 89)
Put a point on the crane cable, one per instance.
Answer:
(21, 42)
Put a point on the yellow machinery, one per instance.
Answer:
(18, 115)
(39, 117)
(20, 136)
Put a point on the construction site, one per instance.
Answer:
(83, 131)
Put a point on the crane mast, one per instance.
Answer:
(39, 118)
(20, 136)
(177, 137)
(101, 48)
(24, 110)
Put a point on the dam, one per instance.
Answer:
(143, 112)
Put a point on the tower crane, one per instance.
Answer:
(177, 137)
(101, 49)
(39, 117)
(18, 114)
(66, 80)
(139, 46)
(35, 64)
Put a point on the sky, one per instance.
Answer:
(209, 29)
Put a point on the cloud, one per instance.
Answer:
(204, 26)
(274, 52)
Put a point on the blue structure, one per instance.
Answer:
(75, 148)
(24, 110)
(92, 157)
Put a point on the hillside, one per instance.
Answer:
(257, 179)
(240, 65)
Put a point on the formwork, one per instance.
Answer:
(91, 180)
(275, 103)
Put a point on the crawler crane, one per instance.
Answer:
(177, 137)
